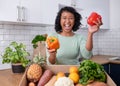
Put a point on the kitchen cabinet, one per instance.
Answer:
(99, 6)
(41, 11)
(45, 11)
(49, 10)
(114, 14)
(113, 70)
(115, 73)
(65, 2)
(8, 10)
(106, 68)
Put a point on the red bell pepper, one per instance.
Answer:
(93, 17)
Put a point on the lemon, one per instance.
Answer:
(73, 69)
(75, 77)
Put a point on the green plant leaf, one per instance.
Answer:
(37, 39)
(16, 53)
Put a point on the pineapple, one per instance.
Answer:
(34, 71)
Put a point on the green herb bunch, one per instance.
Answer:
(37, 39)
(91, 71)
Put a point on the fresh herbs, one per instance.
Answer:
(91, 71)
(16, 53)
(37, 39)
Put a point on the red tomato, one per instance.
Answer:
(93, 17)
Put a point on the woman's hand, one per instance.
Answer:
(91, 30)
(95, 28)
(52, 57)
(51, 50)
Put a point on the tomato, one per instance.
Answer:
(93, 17)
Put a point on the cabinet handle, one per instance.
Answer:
(18, 13)
(23, 14)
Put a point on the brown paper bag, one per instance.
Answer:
(40, 49)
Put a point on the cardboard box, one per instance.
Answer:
(63, 68)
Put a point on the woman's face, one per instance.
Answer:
(67, 21)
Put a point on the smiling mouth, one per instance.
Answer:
(67, 26)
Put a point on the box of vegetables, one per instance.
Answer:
(88, 73)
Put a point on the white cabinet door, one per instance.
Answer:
(65, 2)
(115, 13)
(99, 6)
(49, 11)
(41, 11)
(8, 10)
(36, 11)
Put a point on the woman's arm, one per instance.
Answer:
(91, 31)
(89, 43)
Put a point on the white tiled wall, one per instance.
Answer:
(106, 42)
(23, 34)
(109, 42)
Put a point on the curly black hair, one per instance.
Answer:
(77, 16)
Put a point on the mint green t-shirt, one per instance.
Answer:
(71, 49)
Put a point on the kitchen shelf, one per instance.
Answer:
(24, 23)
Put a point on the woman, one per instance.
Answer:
(72, 46)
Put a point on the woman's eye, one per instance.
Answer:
(63, 18)
(71, 18)
(67, 18)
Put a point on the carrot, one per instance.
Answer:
(47, 75)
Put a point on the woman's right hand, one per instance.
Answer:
(52, 57)
(52, 51)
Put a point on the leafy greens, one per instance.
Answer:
(91, 71)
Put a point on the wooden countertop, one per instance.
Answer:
(7, 78)
(104, 59)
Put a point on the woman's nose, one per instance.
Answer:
(67, 20)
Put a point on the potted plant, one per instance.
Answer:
(16, 54)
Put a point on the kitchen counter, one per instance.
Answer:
(111, 65)
(104, 59)
(7, 78)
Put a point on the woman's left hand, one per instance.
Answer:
(95, 28)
